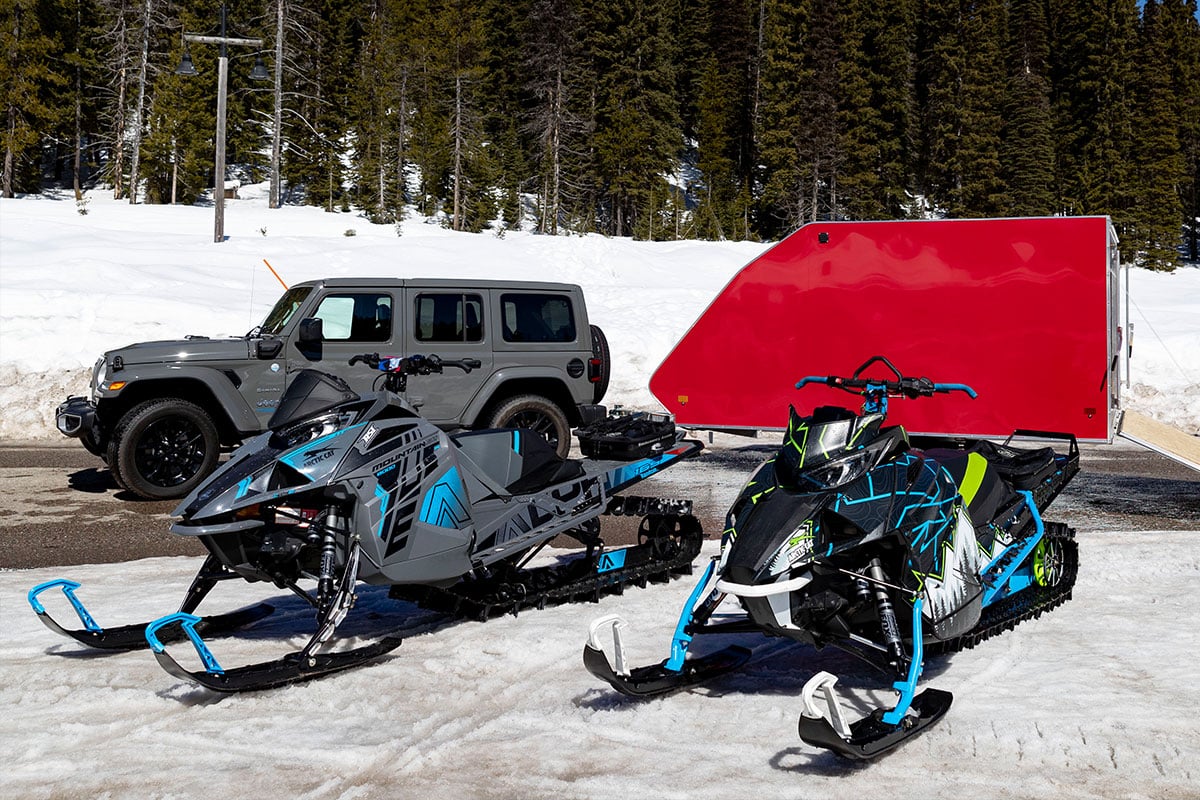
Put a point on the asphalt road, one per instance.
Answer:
(63, 508)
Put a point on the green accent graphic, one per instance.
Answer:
(973, 479)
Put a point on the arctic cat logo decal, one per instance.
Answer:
(312, 457)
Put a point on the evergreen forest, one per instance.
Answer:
(710, 119)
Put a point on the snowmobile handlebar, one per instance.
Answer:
(907, 387)
(414, 364)
(900, 387)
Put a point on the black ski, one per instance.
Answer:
(657, 679)
(870, 736)
(290, 669)
(133, 637)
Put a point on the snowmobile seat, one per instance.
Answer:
(518, 460)
(1024, 469)
(978, 481)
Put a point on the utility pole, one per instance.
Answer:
(258, 73)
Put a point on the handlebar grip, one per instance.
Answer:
(370, 359)
(471, 363)
(955, 387)
(811, 379)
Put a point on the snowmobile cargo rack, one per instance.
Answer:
(626, 437)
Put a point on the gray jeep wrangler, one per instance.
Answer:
(159, 413)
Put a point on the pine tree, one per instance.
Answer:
(637, 134)
(1091, 61)
(875, 107)
(27, 78)
(1158, 169)
(961, 73)
(1027, 149)
(1181, 22)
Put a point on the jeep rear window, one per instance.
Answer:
(537, 318)
(449, 318)
(284, 309)
(356, 317)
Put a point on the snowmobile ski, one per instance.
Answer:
(133, 637)
(870, 736)
(292, 668)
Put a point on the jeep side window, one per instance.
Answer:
(537, 318)
(284, 308)
(448, 318)
(365, 317)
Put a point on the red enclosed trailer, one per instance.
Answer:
(1023, 310)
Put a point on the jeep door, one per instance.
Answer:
(449, 323)
(353, 321)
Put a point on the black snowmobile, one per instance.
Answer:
(344, 488)
(850, 536)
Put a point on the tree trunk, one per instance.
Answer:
(119, 144)
(9, 158)
(456, 221)
(277, 133)
(141, 103)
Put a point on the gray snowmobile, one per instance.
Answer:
(346, 488)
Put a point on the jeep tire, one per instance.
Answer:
(600, 351)
(162, 449)
(535, 413)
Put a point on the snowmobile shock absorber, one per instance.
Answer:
(887, 614)
(327, 579)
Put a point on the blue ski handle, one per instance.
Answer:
(188, 623)
(68, 589)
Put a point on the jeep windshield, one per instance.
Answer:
(283, 311)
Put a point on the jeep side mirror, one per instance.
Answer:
(268, 348)
(311, 331)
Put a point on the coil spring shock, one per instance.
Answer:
(332, 524)
(887, 615)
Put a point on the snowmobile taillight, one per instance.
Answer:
(594, 370)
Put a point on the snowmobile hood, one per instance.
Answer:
(194, 349)
(272, 466)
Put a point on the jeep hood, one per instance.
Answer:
(182, 350)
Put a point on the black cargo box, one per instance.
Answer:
(625, 437)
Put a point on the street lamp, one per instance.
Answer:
(259, 73)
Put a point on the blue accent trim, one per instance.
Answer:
(997, 583)
(243, 487)
(516, 441)
(188, 623)
(682, 639)
(444, 505)
(908, 687)
(68, 588)
(613, 559)
(384, 497)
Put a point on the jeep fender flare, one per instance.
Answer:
(550, 382)
(229, 405)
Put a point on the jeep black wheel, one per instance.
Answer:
(535, 413)
(163, 449)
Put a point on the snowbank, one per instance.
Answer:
(73, 286)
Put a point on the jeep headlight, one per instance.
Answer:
(99, 373)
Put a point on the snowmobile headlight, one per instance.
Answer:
(311, 429)
(840, 471)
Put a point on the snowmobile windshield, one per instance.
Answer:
(309, 394)
(825, 450)
(284, 310)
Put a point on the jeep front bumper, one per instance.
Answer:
(77, 418)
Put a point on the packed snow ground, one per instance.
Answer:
(1095, 699)
(73, 286)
